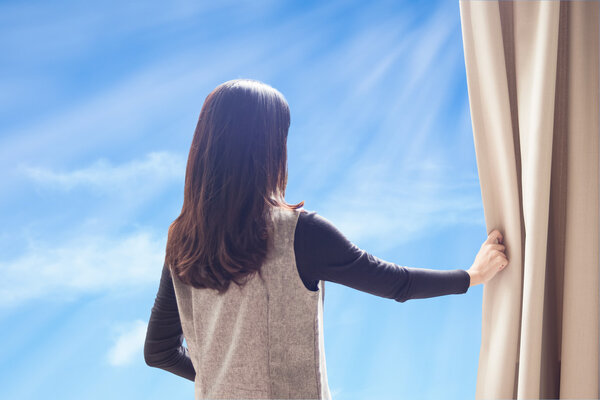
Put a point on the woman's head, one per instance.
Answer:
(236, 171)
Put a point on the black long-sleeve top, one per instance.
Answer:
(322, 253)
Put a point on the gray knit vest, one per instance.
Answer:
(261, 341)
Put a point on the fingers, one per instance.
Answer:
(493, 235)
(499, 247)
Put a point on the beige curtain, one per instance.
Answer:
(532, 73)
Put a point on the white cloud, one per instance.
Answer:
(92, 256)
(90, 252)
(155, 168)
(129, 344)
(83, 264)
(386, 211)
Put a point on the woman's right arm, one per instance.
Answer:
(324, 253)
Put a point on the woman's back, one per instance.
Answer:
(261, 340)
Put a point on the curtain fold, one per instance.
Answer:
(532, 75)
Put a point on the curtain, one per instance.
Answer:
(532, 77)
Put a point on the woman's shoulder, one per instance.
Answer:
(313, 216)
(318, 228)
(311, 223)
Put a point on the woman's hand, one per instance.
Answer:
(490, 259)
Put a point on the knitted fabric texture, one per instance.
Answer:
(261, 341)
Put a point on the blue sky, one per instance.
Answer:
(98, 105)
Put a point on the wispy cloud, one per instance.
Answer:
(385, 213)
(101, 196)
(155, 168)
(89, 263)
(129, 344)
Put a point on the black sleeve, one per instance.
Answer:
(324, 253)
(164, 338)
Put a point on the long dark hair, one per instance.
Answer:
(236, 171)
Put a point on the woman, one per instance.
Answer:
(244, 272)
